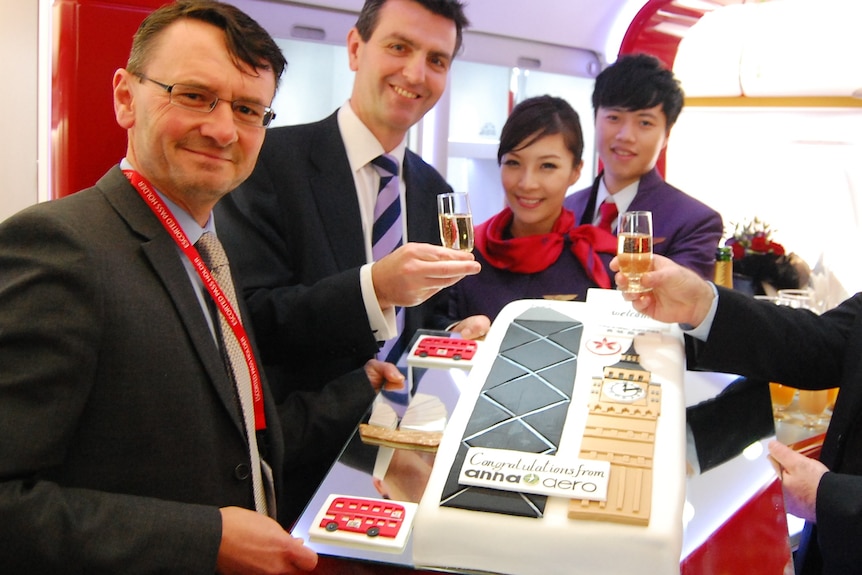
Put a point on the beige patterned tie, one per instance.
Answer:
(214, 255)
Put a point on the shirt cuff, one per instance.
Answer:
(382, 322)
(701, 332)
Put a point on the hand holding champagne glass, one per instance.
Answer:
(456, 221)
(634, 247)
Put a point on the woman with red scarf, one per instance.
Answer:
(533, 248)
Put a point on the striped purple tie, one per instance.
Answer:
(386, 237)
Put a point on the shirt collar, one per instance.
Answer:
(190, 227)
(622, 198)
(360, 143)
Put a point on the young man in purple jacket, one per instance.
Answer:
(636, 102)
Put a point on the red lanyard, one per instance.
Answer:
(166, 217)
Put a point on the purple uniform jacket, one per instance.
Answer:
(684, 229)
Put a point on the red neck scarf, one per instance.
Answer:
(533, 254)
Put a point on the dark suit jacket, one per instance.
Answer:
(294, 233)
(803, 350)
(684, 229)
(120, 431)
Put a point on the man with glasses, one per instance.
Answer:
(127, 442)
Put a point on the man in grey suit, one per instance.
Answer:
(123, 444)
(299, 230)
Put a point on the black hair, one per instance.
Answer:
(638, 82)
(541, 116)
(449, 9)
(247, 41)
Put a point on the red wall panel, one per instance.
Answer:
(92, 39)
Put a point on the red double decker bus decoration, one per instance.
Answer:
(446, 348)
(371, 517)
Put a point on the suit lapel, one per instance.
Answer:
(647, 186)
(334, 192)
(584, 209)
(162, 253)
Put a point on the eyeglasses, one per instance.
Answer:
(202, 100)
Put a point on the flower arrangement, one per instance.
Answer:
(753, 237)
(763, 261)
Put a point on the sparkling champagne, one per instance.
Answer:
(634, 253)
(456, 231)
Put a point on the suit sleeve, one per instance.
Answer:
(324, 419)
(51, 311)
(776, 343)
(839, 521)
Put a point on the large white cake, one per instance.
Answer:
(459, 538)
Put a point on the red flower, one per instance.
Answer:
(753, 238)
(759, 244)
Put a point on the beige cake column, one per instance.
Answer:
(620, 428)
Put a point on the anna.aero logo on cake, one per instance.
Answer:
(534, 473)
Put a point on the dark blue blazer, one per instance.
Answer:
(807, 351)
(294, 236)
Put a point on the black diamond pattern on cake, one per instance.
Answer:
(522, 406)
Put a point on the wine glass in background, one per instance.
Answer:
(831, 397)
(812, 403)
(456, 221)
(798, 298)
(634, 247)
(769, 298)
(782, 396)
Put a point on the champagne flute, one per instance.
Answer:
(456, 221)
(831, 397)
(782, 397)
(798, 298)
(634, 247)
(812, 402)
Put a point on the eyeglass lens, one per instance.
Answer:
(199, 99)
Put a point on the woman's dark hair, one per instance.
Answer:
(247, 41)
(541, 116)
(787, 271)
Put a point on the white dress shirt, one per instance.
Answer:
(362, 147)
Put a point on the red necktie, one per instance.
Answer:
(609, 213)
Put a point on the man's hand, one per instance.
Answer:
(473, 327)
(678, 294)
(383, 375)
(800, 476)
(254, 543)
(415, 272)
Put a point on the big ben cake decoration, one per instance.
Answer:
(624, 407)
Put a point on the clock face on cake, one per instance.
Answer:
(625, 391)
